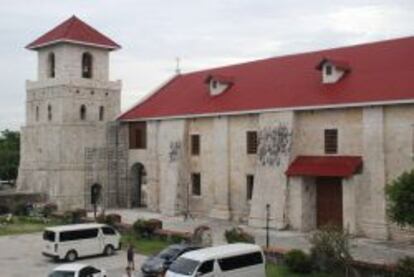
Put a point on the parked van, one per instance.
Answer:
(78, 240)
(239, 259)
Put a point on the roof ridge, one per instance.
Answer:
(283, 56)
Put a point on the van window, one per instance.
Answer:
(184, 266)
(235, 262)
(61, 273)
(206, 267)
(49, 235)
(108, 231)
(78, 234)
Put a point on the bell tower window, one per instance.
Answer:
(87, 62)
(37, 113)
(83, 112)
(51, 65)
(101, 113)
(49, 112)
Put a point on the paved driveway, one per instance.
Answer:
(21, 256)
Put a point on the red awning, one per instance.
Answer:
(325, 166)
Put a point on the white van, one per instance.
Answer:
(78, 240)
(239, 259)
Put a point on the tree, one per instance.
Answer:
(9, 154)
(401, 199)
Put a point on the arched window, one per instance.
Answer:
(87, 65)
(101, 113)
(83, 112)
(49, 112)
(37, 113)
(51, 65)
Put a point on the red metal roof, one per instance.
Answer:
(325, 166)
(381, 72)
(76, 31)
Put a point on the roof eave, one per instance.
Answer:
(38, 46)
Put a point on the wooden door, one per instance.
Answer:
(329, 201)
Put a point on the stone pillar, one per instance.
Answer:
(349, 203)
(221, 169)
(171, 155)
(302, 203)
(273, 159)
(371, 192)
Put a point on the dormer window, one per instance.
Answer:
(332, 70)
(328, 69)
(218, 84)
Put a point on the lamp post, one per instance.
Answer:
(267, 224)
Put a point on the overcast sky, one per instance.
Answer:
(203, 33)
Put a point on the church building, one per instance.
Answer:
(311, 138)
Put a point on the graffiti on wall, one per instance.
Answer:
(174, 153)
(274, 143)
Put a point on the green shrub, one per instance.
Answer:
(48, 209)
(75, 216)
(4, 209)
(400, 194)
(146, 228)
(330, 249)
(298, 261)
(21, 209)
(405, 267)
(237, 234)
(112, 219)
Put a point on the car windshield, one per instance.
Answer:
(184, 266)
(49, 235)
(60, 273)
(169, 253)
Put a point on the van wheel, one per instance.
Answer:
(109, 250)
(71, 256)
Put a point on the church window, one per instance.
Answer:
(51, 65)
(196, 184)
(49, 112)
(101, 113)
(195, 145)
(331, 141)
(251, 137)
(138, 135)
(87, 62)
(83, 112)
(37, 113)
(249, 186)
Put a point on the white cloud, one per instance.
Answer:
(204, 33)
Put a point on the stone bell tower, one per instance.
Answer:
(67, 110)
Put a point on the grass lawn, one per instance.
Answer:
(143, 246)
(24, 225)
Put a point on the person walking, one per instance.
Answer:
(128, 272)
(130, 257)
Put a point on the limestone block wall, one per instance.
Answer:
(302, 203)
(372, 202)
(241, 164)
(273, 159)
(55, 138)
(203, 164)
(172, 179)
(399, 149)
(68, 62)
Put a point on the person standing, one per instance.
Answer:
(130, 257)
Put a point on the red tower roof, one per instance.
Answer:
(76, 31)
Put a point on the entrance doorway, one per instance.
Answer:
(329, 201)
(139, 180)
